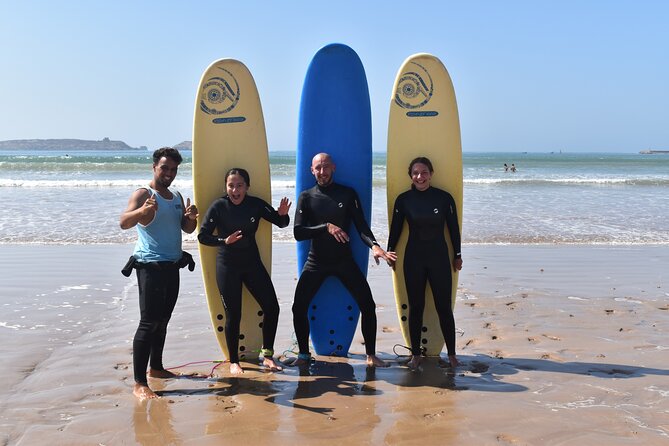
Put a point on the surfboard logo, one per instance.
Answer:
(219, 94)
(414, 88)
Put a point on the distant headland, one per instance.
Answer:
(184, 145)
(653, 152)
(66, 144)
(72, 145)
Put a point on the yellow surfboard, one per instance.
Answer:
(229, 131)
(423, 122)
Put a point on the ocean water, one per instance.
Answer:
(54, 197)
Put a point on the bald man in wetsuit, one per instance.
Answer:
(323, 215)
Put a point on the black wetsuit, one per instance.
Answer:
(426, 256)
(240, 262)
(158, 284)
(316, 207)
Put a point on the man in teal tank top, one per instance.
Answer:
(159, 216)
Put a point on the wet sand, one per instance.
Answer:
(559, 345)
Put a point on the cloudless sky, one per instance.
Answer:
(529, 75)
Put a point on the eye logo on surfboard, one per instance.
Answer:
(414, 90)
(219, 95)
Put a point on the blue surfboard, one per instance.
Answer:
(335, 117)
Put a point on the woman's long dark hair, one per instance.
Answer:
(238, 171)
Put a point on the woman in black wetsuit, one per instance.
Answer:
(236, 216)
(426, 210)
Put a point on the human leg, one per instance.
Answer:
(230, 287)
(151, 291)
(415, 280)
(356, 283)
(307, 286)
(170, 282)
(260, 285)
(441, 284)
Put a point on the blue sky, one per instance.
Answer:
(529, 75)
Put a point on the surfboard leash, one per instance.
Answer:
(218, 362)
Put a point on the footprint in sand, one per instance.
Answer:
(507, 439)
(552, 338)
(227, 406)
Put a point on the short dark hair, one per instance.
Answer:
(167, 152)
(239, 171)
(421, 160)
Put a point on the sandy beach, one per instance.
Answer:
(559, 345)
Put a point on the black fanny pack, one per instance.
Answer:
(185, 260)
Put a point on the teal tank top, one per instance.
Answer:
(160, 240)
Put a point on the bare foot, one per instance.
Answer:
(375, 361)
(454, 361)
(162, 374)
(142, 392)
(415, 361)
(236, 369)
(271, 364)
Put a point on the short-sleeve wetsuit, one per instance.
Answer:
(316, 207)
(426, 256)
(240, 262)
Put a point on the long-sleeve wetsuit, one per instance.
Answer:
(316, 207)
(426, 256)
(240, 262)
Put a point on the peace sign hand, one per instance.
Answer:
(191, 210)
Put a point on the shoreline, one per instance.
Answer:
(570, 340)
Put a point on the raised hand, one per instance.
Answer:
(191, 210)
(284, 206)
(150, 206)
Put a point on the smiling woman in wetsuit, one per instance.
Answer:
(427, 210)
(236, 216)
